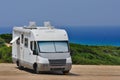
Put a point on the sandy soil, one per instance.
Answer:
(78, 72)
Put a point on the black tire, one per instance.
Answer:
(19, 66)
(65, 72)
(35, 69)
(17, 63)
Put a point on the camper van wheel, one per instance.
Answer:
(17, 63)
(19, 66)
(65, 72)
(35, 69)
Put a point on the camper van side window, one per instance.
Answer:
(35, 52)
(35, 45)
(31, 45)
(22, 36)
(26, 42)
(18, 41)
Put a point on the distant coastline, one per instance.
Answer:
(97, 43)
(87, 36)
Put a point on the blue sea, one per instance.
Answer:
(87, 35)
(94, 35)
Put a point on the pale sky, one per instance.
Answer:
(60, 12)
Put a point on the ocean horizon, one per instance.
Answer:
(99, 36)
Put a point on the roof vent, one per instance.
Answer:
(48, 24)
(32, 25)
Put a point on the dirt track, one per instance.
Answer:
(78, 72)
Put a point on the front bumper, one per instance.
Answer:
(47, 67)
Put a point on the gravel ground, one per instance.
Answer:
(78, 72)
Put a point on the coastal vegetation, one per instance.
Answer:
(5, 51)
(6, 37)
(81, 54)
(95, 55)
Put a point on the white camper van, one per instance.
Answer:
(41, 48)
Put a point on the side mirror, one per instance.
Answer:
(35, 52)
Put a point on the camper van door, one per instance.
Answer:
(22, 48)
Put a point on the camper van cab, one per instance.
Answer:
(41, 48)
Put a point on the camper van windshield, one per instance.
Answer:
(53, 46)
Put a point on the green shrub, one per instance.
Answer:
(96, 55)
(7, 37)
(5, 54)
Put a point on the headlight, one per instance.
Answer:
(43, 60)
(69, 60)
